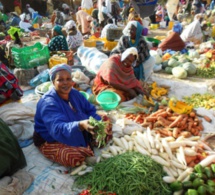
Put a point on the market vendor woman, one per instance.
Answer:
(62, 130)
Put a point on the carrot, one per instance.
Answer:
(196, 119)
(145, 124)
(163, 121)
(190, 124)
(157, 124)
(200, 126)
(176, 121)
(189, 158)
(157, 112)
(151, 119)
(176, 131)
(165, 132)
(183, 122)
(171, 118)
(138, 117)
(192, 164)
(163, 114)
(208, 119)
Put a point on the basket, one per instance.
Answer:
(31, 56)
(113, 33)
(108, 100)
(156, 42)
(89, 43)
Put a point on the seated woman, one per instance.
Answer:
(74, 37)
(116, 74)
(62, 130)
(132, 37)
(58, 42)
(173, 40)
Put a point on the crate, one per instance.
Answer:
(31, 56)
(113, 33)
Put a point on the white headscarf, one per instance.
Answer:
(126, 30)
(127, 52)
(69, 25)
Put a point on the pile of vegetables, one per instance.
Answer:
(201, 100)
(200, 182)
(176, 155)
(126, 174)
(157, 91)
(100, 132)
(168, 123)
(44, 87)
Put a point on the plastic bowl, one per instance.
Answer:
(108, 100)
(86, 95)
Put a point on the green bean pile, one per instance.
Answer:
(206, 72)
(126, 174)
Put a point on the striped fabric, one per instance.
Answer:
(65, 155)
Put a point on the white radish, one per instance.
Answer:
(189, 152)
(169, 173)
(160, 160)
(187, 178)
(85, 171)
(180, 171)
(181, 152)
(190, 143)
(194, 138)
(168, 179)
(124, 142)
(183, 175)
(164, 155)
(175, 144)
(178, 165)
(180, 138)
(169, 139)
(141, 149)
(118, 142)
(113, 150)
(130, 145)
(128, 138)
(173, 171)
(150, 137)
(146, 142)
(106, 155)
(154, 151)
(207, 161)
(178, 156)
(167, 148)
(140, 141)
(78, 169)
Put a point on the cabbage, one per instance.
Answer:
(190, 68)
(193, 54)
(179, 72)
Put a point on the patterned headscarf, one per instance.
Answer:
(58, 29)
(57, 68)
(70, 24)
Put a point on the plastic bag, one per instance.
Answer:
(40, 78)
(79, 77)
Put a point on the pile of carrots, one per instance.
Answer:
(168, 123)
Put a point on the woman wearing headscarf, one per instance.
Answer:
(132, 37)
(58, 42)
(59, 20)
(74, 37)
(84, 22)
(116, 74)
(62, 130)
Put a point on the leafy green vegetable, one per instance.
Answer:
(100, 133)
(126, 174)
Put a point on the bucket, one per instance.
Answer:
(154, 26)
(171, 24)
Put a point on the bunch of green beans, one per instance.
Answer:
(126, 174)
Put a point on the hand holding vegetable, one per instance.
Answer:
(85, 125)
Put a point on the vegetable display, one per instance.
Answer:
(200, 182)
(200, 100)
(126, 174)
(100, 132)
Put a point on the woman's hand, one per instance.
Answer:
(85, 125)
(132, 93)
